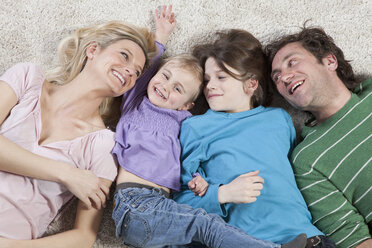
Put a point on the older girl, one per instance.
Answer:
(237, 137)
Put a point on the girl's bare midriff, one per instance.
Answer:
(127, 177)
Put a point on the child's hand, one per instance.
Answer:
(198, 185)
(164, 24)
(243, 189)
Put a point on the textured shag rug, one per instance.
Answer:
(31, 30)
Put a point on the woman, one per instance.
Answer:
(53, 138)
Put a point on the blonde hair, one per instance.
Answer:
(189, 63)
(72, 52)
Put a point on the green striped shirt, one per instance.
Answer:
(333, 170)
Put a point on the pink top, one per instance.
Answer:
(27, 206)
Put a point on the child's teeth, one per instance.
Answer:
(159, 93)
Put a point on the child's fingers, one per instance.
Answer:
(169, 10)
(203, 191)
(191, 184)
(172, 19)
(164, 10)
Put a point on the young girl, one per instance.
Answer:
(148, 151)
(238, 136)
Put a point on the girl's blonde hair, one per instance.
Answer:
(72, 52)
(189, 63)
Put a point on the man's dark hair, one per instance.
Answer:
(319, 44)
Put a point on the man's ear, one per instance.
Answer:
(331, 62)
(187, 106)
(250, 85)
(91, 49)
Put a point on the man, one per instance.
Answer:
(332, 164)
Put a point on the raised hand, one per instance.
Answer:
(198, 185)
(164, 24)
(243, 189)
(86, 186)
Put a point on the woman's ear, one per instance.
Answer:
(250, 85)
(92, 49)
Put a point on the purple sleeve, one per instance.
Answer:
(135, 95)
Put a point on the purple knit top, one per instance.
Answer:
(146, 139)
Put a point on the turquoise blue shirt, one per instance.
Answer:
(221, 146)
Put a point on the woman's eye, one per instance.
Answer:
(177, 89)
(138, 73)
(125, 55)
(221, 77)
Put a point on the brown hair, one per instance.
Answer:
(319, 44)
(240, 50)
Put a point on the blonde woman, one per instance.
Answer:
(53, 137)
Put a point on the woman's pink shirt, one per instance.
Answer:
(27, 205)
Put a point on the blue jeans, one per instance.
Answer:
(145, 218)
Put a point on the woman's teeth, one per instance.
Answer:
(119, 76)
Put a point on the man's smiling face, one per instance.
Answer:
(300, 78)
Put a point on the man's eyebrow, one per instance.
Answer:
(288, 56)
(274, 72)
(284, 59)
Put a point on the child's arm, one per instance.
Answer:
(193, 155)
(164, 23)
(198, 185)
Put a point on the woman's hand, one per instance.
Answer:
(243, 189)
(86, 186)
(164, 24)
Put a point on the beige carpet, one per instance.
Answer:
(31, 30)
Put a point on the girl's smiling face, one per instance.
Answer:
(173, 88)
(222, 91)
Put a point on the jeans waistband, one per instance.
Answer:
(139, 185)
